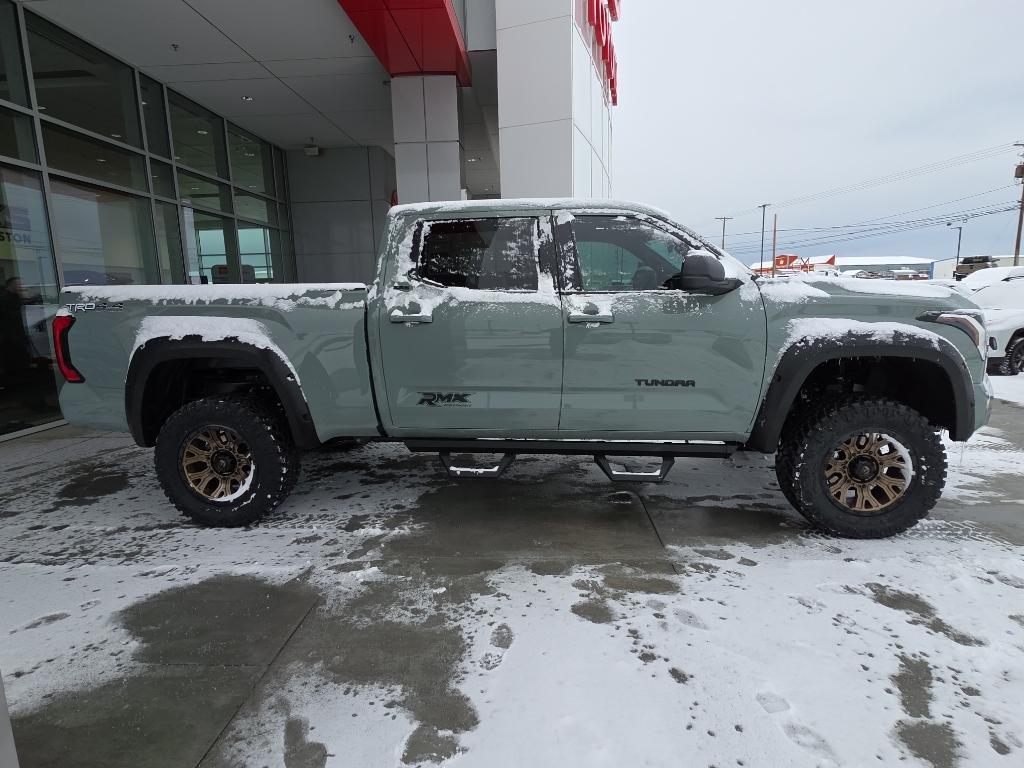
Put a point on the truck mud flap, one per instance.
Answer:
(618, 476)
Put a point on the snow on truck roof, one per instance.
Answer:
(531, 203)
(588, 204)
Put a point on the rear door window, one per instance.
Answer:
(499, 254)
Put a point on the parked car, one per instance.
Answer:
(971, 264)
(557, 327)
(1002, 300)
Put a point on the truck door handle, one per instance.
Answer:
(397, 316)
(583, 317)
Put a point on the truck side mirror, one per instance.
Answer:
(703, 273)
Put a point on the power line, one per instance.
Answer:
(888, 225)
(941, 165)
(885, 216)
(879, 232)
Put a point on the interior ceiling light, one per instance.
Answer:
(472, 159)
(247, 98)
(115, 135)
(201, 132)
(100, 160)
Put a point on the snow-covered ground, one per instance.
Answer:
(1009, 388)
(549, 619)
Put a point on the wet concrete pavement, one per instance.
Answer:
(387, 615)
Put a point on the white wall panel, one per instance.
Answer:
(444, 170)
(534, 72)
(411, 172)
(536, 160)
(581, 164)
(516, 13)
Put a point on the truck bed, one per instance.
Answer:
(328, 359)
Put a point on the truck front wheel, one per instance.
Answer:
(224, 461)
(865, 468)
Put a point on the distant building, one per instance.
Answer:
(934, 268)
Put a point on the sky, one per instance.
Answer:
(727, 105)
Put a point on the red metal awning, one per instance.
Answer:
(412, 37)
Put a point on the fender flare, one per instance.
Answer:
(162, 349)
(801, 358)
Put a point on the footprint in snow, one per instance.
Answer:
(501, 639)
(689, 618)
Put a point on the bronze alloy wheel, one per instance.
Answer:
(868, 472)
(216, 463)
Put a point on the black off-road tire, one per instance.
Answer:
(1013, 362)
(785, 458)
(274, 457)
(820, 432)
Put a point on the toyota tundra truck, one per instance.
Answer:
(513, 327)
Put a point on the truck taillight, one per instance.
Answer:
(61, 325)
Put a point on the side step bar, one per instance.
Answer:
(496, 471)
(677, 448)
(600, 450)
(667, 462)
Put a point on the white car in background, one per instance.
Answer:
(999, 291)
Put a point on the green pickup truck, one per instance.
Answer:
(514, 327)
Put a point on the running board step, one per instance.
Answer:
(490, 472)
(667, 462)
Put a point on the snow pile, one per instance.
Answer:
(245, 330)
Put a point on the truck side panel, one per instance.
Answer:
(318, 331)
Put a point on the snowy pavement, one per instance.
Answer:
(387, 615)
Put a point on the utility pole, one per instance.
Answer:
(723, 219)
(764, 207)
(959, 236)
(775, 230)
(1019, 174)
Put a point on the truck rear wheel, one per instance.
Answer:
(225, 461)
(865, 468)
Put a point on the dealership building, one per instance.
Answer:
(233, 141)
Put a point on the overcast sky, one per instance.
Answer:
(726, 105)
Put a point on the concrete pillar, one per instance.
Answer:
(8, 757)
(428, 153)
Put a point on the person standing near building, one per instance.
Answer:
(15, 354)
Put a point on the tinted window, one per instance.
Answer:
(80, 84)
(77, 153)
(12, 78)
(617, 253)
(154, 116)
(198, 136)
(492, 254)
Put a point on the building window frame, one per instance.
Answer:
(277, 198)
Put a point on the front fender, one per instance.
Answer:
(802, 357)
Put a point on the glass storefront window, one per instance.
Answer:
(12, 73)
(28, 300)
(168, 243)
(252, 162)
(154, 116)
(195, 190)
(78, 154)
(80, 84)
(207, 242)
(162, 176)
(255, 208)
(17, 139)
(198, 137)
(258, 249)
(102, 237)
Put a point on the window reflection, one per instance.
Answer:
(198, 137)
(28, 299)
(103, 237)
